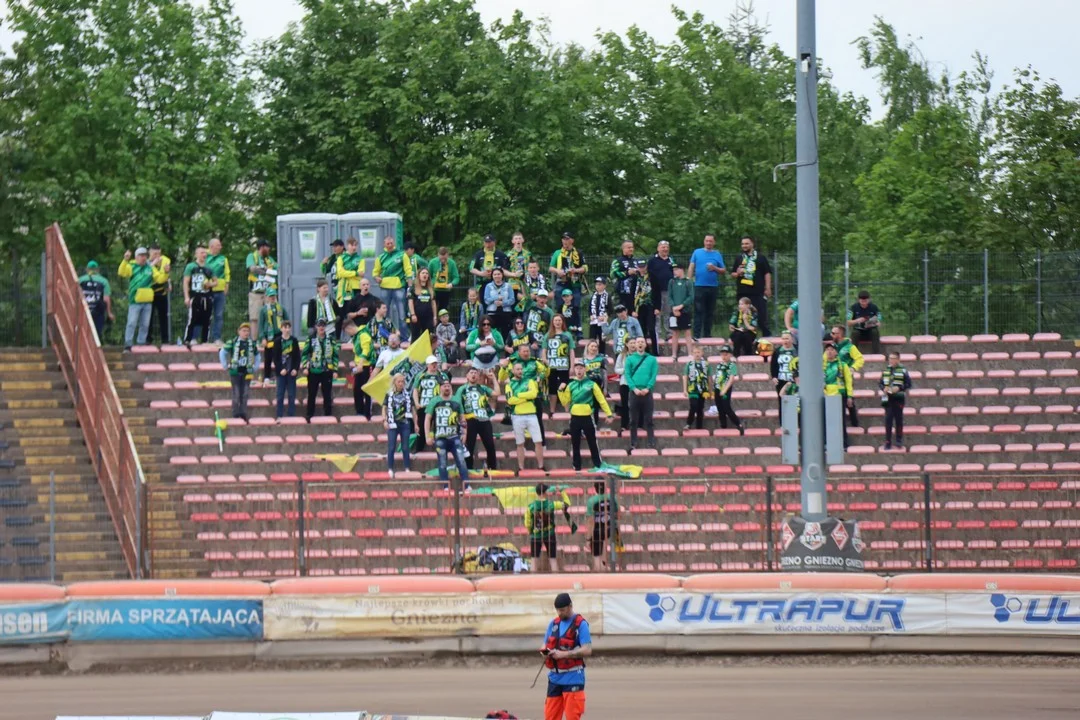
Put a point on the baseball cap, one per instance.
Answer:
(620, 308)
(91, 264)
(489, 238)
(262, 242)
(140, 251)
(600, 279)
(431, 359)
(567, 291)
(320, 323)
(542, 293)
(338, 242)
(567, 236)
(579, 362)
(271, 292)
(248, 326)
(445, 312)
(725, 349)
(562, 600)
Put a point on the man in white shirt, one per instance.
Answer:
(390, 353)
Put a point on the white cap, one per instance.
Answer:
(140, 251)
(431, 359)
(541, 293)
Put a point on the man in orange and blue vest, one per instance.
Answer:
(566, 645)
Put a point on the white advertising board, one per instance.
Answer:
(683, 613)
(1012, 614)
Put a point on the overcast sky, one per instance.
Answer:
(1040, 33)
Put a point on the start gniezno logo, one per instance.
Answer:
(716, 609)
(1035, 610)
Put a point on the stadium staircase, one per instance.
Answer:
(990, 478)
(39, 437)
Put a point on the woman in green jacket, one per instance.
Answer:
(484, 345)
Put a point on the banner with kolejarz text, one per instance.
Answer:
(132, 619)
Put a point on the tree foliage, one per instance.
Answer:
(131, 121)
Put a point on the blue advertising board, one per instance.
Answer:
(33, 623)
(164, 619)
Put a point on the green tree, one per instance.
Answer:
(132, 117)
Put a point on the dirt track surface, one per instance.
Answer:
(684, 690)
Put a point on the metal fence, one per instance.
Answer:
(908, 523)
(97, 405)
(965, 293)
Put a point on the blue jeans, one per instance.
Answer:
(138, 319)
(395, 304)
(218, 322)
(286, 383)
(444, 446)
(402, 432)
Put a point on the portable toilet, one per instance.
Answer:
(371, 228)
(303, 242)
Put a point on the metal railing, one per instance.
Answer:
(908, 523)
(97, 405)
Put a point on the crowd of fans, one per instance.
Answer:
(519, 330)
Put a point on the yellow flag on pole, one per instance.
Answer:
(411, 362)
(344, 463)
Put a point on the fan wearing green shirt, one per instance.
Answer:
(540, 522)
(445, 273)
(445, 417)
(603, 511)
(727, 372)
(581, 396)
(568, 266)
(394, 271)
(98, 295)
(475, 398)
(640, 370)
(262, 275)
(425, 388)
(696, 387)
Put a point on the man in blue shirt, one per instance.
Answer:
(566, 645)
(706, 267)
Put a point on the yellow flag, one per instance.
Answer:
(515, 497)
(344, 463)
(417, 353)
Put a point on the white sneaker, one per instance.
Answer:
(390, 473)
(712, 411)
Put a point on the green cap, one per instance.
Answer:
(271, 292)
(91, 265)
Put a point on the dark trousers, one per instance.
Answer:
(867, 335)
(421, 433)
(696, 416)
(742, 343)
(762, 306)
(540, 422)
(480, 429)
(627, 301)
(624, 407)
(853, 414)
(647, 318)
(704, 310)
(323, 381)
(268, 359)
(583, 425)
(596, 332)
(200, 315)
(98, 316)
(286, 387)
(641, 415)
(361, 400)
(442, 299)
(240, 390)
(159, 316)
(723, 406)
(894, 415)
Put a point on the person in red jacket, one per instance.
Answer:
(566, 645)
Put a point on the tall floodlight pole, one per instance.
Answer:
(811, 376)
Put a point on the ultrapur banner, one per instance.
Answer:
(841, 613)
(449, 615)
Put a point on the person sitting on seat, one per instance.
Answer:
(744, 328)
(864, 320)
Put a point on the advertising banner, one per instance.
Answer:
(305, 618)
(832, 545)
(680, 613)
(165, 619)
(1013, 614)
(22, 624)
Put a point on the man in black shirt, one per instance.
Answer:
(661, 270)
(486, 260)
(864, 319)
(753, 279)
(624, 275)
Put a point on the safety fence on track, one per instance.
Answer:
(908, 523)
(513, 606)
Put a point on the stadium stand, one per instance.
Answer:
(992, 436)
